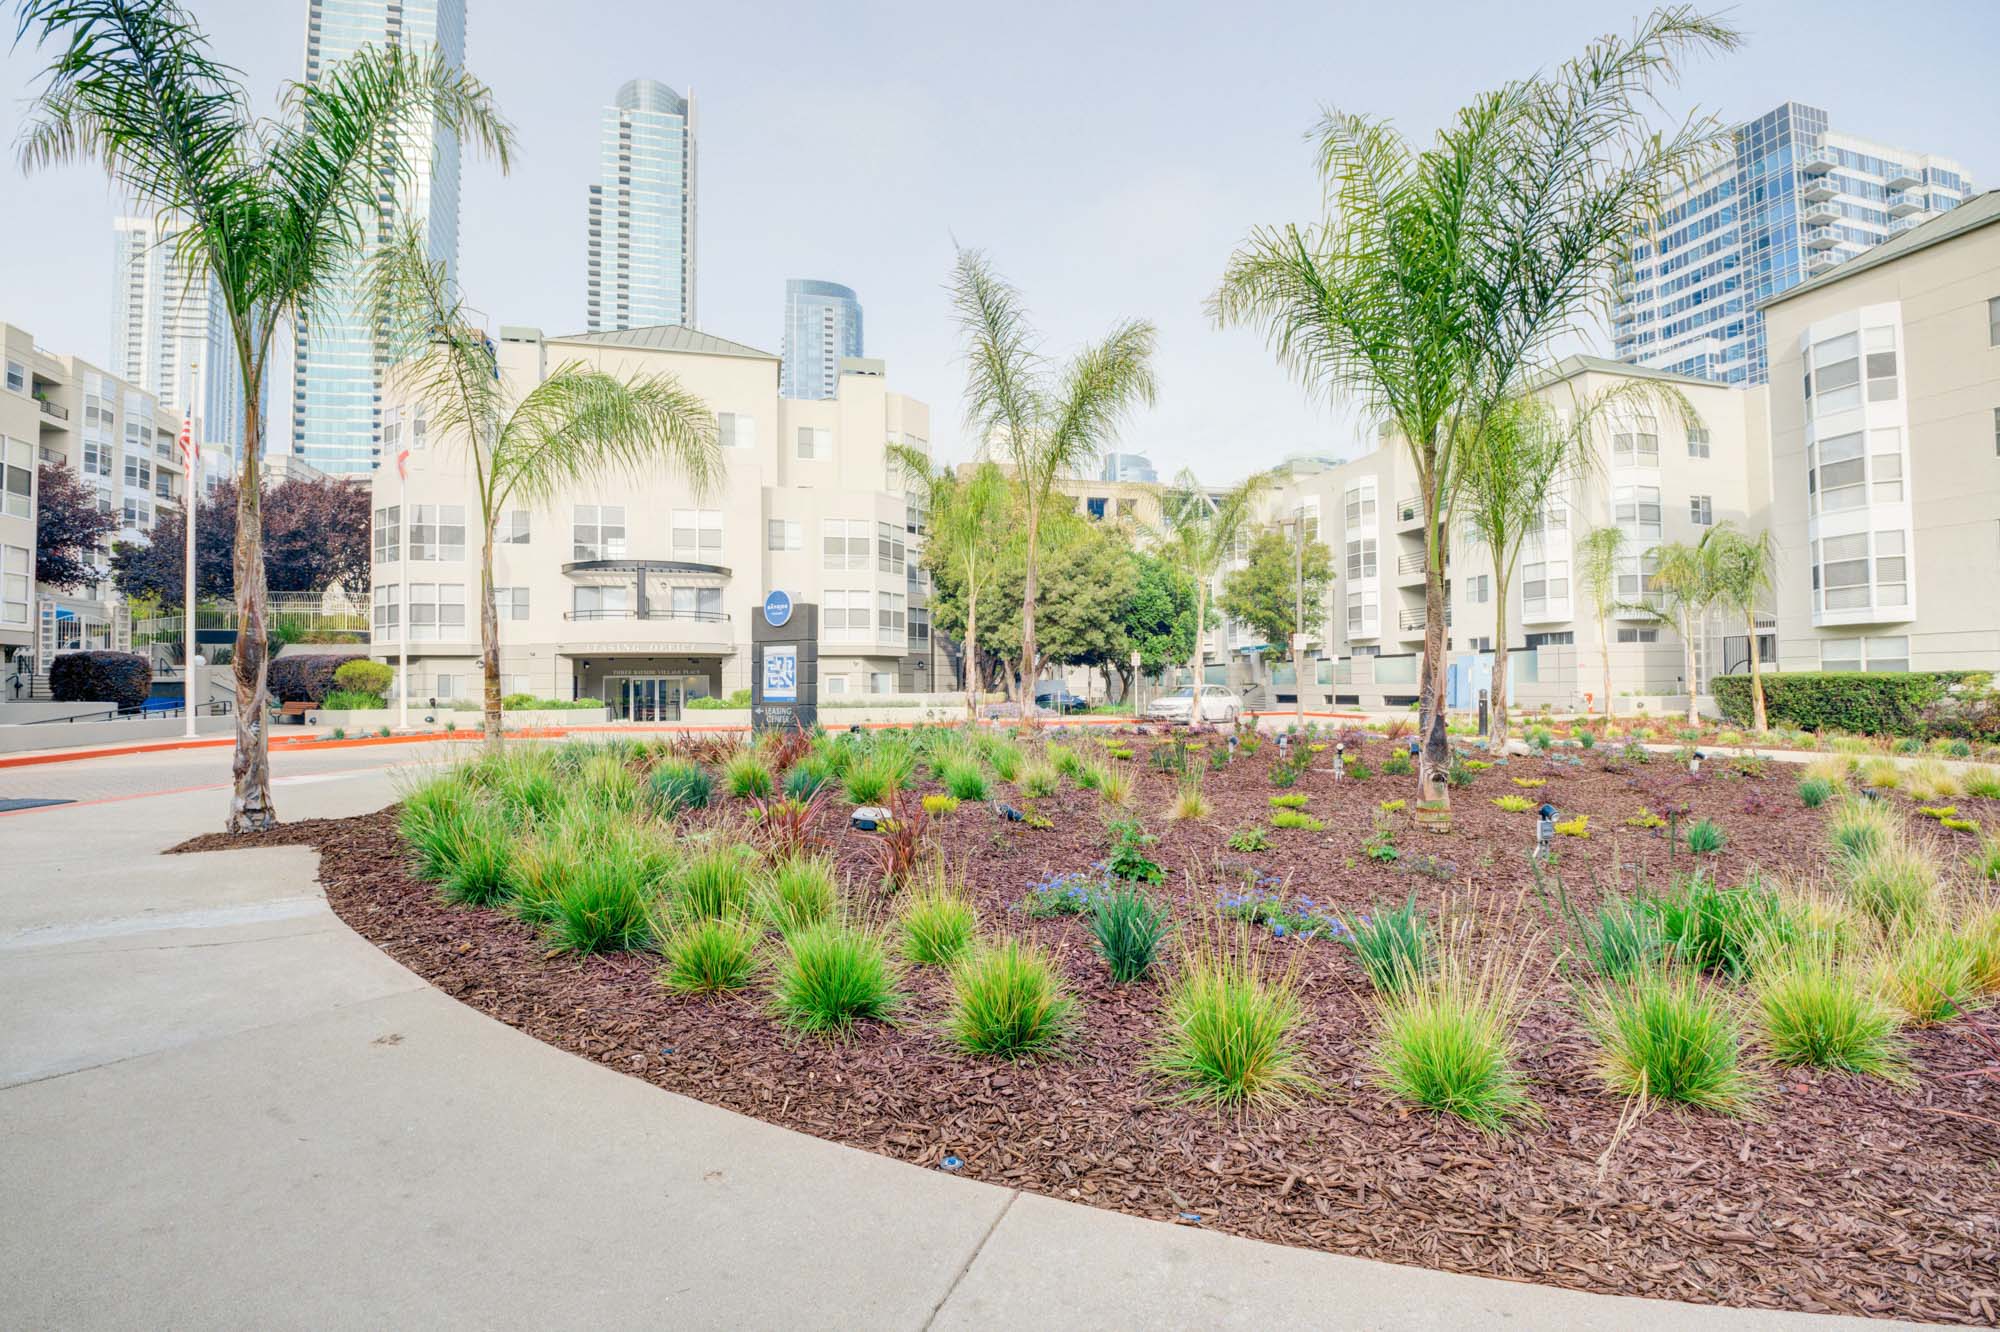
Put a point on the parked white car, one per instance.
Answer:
(1217, 705)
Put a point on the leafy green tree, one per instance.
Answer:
(1159, 616)
(1092, 574)
(271, 210)
(966, 517)
(1264, 593)
(1200, 533)
(1742, 569)
(1047, 421)
(1440, 282)
(1597, 557)
(578, 424)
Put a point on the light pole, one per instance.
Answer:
(190, 443)
(1299, 615)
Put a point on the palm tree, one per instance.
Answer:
(967, 518)
(271, 210)
(1684, 580)
(1049, 422)
(1597, 558)
(1744, 568)
(578, 424)
(1439, 281)
(1200, 534)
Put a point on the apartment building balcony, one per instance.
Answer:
(1817, 188)
(1823, 211)
(1818, 162)
(1822, 238)
(655, 632)
(1412, 623)
(1902, 203)
(1410, 568)
(1902, 177)
(1899, 225)
(1819, 261)
(1409, 513)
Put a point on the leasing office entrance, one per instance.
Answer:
(652, 698)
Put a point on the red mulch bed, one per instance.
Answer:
(1845, 1196)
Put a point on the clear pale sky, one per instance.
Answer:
(1108, 155)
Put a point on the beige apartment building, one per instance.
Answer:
(636, 590)
(59, 409)
(1885, 453)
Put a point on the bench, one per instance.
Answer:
(295, 713)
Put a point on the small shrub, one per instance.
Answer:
(798, 891)
(1950, 824)
(1292, 818)
(1129, 927)
(1066, 893)
(1705, 838)
(1645, 818)
(1927, 974)
(1663, 1035)
(362, 676)
(833, 975)
(1392, 806)
(1007, 1000)
(748, 777)
(1039, 780)
(1392, 946)
(1819, 1013)
(964, 779)
(1230, 1033)
(1982, 782)
(1937, 811)
(1397, 765)
(1814, 791)
(1587, 739)
(869, 781)
(676, 785)
(1290, 801)
(713, 884)
(1446, 1043)
(1896, 885)
(1513, 804)
(709, 956)
(1576, 827)
(1711, 928)
(1531, 783)
(940, 804)
(937, 924)
(1359, 771)
(126, 678)
(1128, 858)
(1249, 838)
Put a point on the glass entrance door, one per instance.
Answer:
(653, 698)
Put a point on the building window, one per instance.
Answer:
(388, 534)
(1836, 473)
(1638, 634)
(1992, 328)
(387, 604)
(733, 430)
(444, 685)
(600, 603)
(1361, 503)
(881, 682)
(96, 457)
(17, 565)
(846, 614)
(1637, 510)
(697, 535)
(163, 484)
(1635, 579)
(1892, 576)
(844, 543)
(510, 603)
(512, 529)
(1843, 572)
(1699, 442)
(17, 478)
(1479, 588)
(1364, 614)
(17, 377)
(138, 514)
(1637, 446)
(920, 630)
(437, 612)
(890, 551)
(1360, 559)
(891, 622)
(1483, 643)
(697, 603)
(1885, 465)
(815, 444)
(437, 532)
(1096, 506)
(1886, 653)
(597, 532)
(1545, 589)
(1836, 375)
(785, 534)
(1701, 510)
(836, 684)
(1881, 365)
(138, 472)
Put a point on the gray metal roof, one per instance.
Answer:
(1979, 211)
(670, 337)
(1569, 367)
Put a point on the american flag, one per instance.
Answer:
(190, 451)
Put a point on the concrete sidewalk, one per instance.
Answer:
(219, 1107)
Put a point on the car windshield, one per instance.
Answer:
(1182, 693)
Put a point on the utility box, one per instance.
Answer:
(784, 675)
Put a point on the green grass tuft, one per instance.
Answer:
(1446, 1044)
(833, 975)
(715, 883)
(938, 924)
(748, 777)
(1663, 1035)
(709, 956)
(1007, 1000)
(797, 892)
(679, 785)
(1817, 1012)
(1230, 1034)
(1712, 928)
(1815, 791)
(1392, 945)
(1129, 927)
(964, 779)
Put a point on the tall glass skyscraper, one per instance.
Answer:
(164, 323)
(339, 350)
(642, 212)
(822, 324)
(1794, 199)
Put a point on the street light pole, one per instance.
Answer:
(1299, 615)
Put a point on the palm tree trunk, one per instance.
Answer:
(1604, 651)
(1687, 658)
(250, 768)
(1758, 722)
(1498, 729)
(1434, 756)
(489, 638)
(971, 655)
(1030, 586)
(1200, 635)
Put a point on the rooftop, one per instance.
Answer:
(1979, 211)
(670, 337)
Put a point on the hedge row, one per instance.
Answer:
(123, 678)
(1862, 702)
(305, 677)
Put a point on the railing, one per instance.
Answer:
(55, 409)
(1413, 621)
(1409, 510)
(214, 708)
(651, 613)
(1411, 563)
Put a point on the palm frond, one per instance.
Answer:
(581, 425)
(1100, 386)
(1006, 377)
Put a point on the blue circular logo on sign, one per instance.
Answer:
(777, 609)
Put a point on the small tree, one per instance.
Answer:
(69, 529)
(363, 676)
(1597, 558)
(1742, 569)
(1200, 535)
(966, 517)
(1265, 592)
(316, 537)
(1684, 580)
(1159, 617)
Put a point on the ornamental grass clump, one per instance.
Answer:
(1665, 1035)
(1814, 791)
(1005, 756)
(808, 777)
(1817, 1010)
(1927, 974)
(964, 779)
(1392, 946)
(1981, 933)
(868, 781)
(715, 883)
(1705, 837)
(798, 891)
(562, 848)
(524, 782)
(1620, 939)
(462, 843)
(677, 786)
(1931, 780)
(1981, 782)
(602, 905)
(1230, 1033)
(1712, 928)
(1115, 785)
(709, 957)
(1857, 828)
(1896, 884)
(748, 777)
(1007, 1000)
(1064, 760)
(607, 781)
(832, 975)
(938, 923)
(1446, 1043)
(1039, 780)
(1189, 803)
(1128, 926)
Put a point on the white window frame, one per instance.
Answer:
(389, 534)
(815, 444)
(784, 534)
(590, 529)
(17, 478)
(437, 533)
(17, 584)
(735, 430)
(846, 544)
(696, 535)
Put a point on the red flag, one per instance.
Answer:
(190, 450)
(403, 465)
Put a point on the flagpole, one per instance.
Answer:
(403, 592)
(191, 493)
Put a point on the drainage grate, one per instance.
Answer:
(8, 804)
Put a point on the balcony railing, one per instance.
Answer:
(1904, 202)
(55, 409)
(1409, 510)
(1412, 563)
(1414, 622)
(1818, 162)
(651, 613)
